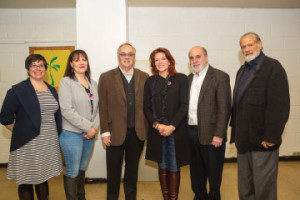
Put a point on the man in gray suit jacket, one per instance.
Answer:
(208, 115)
(122, 121)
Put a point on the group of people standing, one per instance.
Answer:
(183, 118)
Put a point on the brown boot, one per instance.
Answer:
(164, 181)
(174, 178)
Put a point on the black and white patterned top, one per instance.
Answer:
(39, 159)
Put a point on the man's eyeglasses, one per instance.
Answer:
(127, 54)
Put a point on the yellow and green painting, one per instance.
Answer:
(56, 58)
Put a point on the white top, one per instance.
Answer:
(194, 96)
(127, 76)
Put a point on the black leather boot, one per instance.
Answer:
(42, 191)
(80, 185)
(25, 192)
(70, 185)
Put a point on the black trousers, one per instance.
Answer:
(132, 147)
(206, 163)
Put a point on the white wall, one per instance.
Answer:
(177, 29)
(100, 38)
(19, 29)
(219, 30)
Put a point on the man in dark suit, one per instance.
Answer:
(208, 116)
(122, 121)
(260, 111)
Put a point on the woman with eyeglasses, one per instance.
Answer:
(165, 107)
(78, 98)
(31, 112)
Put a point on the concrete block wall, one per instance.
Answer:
(20, 29)
(219, 30)
(178, 29)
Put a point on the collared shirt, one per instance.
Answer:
(248, 69)
(127, 76)
(194, 96)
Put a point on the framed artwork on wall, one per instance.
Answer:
(56, 58)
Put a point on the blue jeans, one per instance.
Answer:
(168, 154)
(76, 150)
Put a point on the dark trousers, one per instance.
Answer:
(206, 163)
(257, 175)
(25, 191)
(132, 147)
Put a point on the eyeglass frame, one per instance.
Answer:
(37, 66)
(131, 55)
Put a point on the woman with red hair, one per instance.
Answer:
(165, 107)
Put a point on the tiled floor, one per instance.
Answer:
(288, 185)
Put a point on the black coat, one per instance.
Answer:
(263, 109)
(176, 111)
(21, 106)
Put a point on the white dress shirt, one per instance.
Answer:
(194, 96)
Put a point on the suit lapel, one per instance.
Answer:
(29, 100)
(118, 81)
(237, 79)
(206, 82)
(252, 77)
(136, 83)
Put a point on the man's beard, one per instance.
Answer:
(253, 55)
(199, 69)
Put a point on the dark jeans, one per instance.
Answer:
(206, 162)
(168, 154)
(132, 147)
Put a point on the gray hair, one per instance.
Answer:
(256, 36)
(204, 50)
(124, 44)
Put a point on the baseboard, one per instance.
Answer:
(230, 160)
(95, 180)
(281, 158)
(289, 158)
(3, 165)
(227, 160)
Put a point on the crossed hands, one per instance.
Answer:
(164, 130)
(91, 134)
